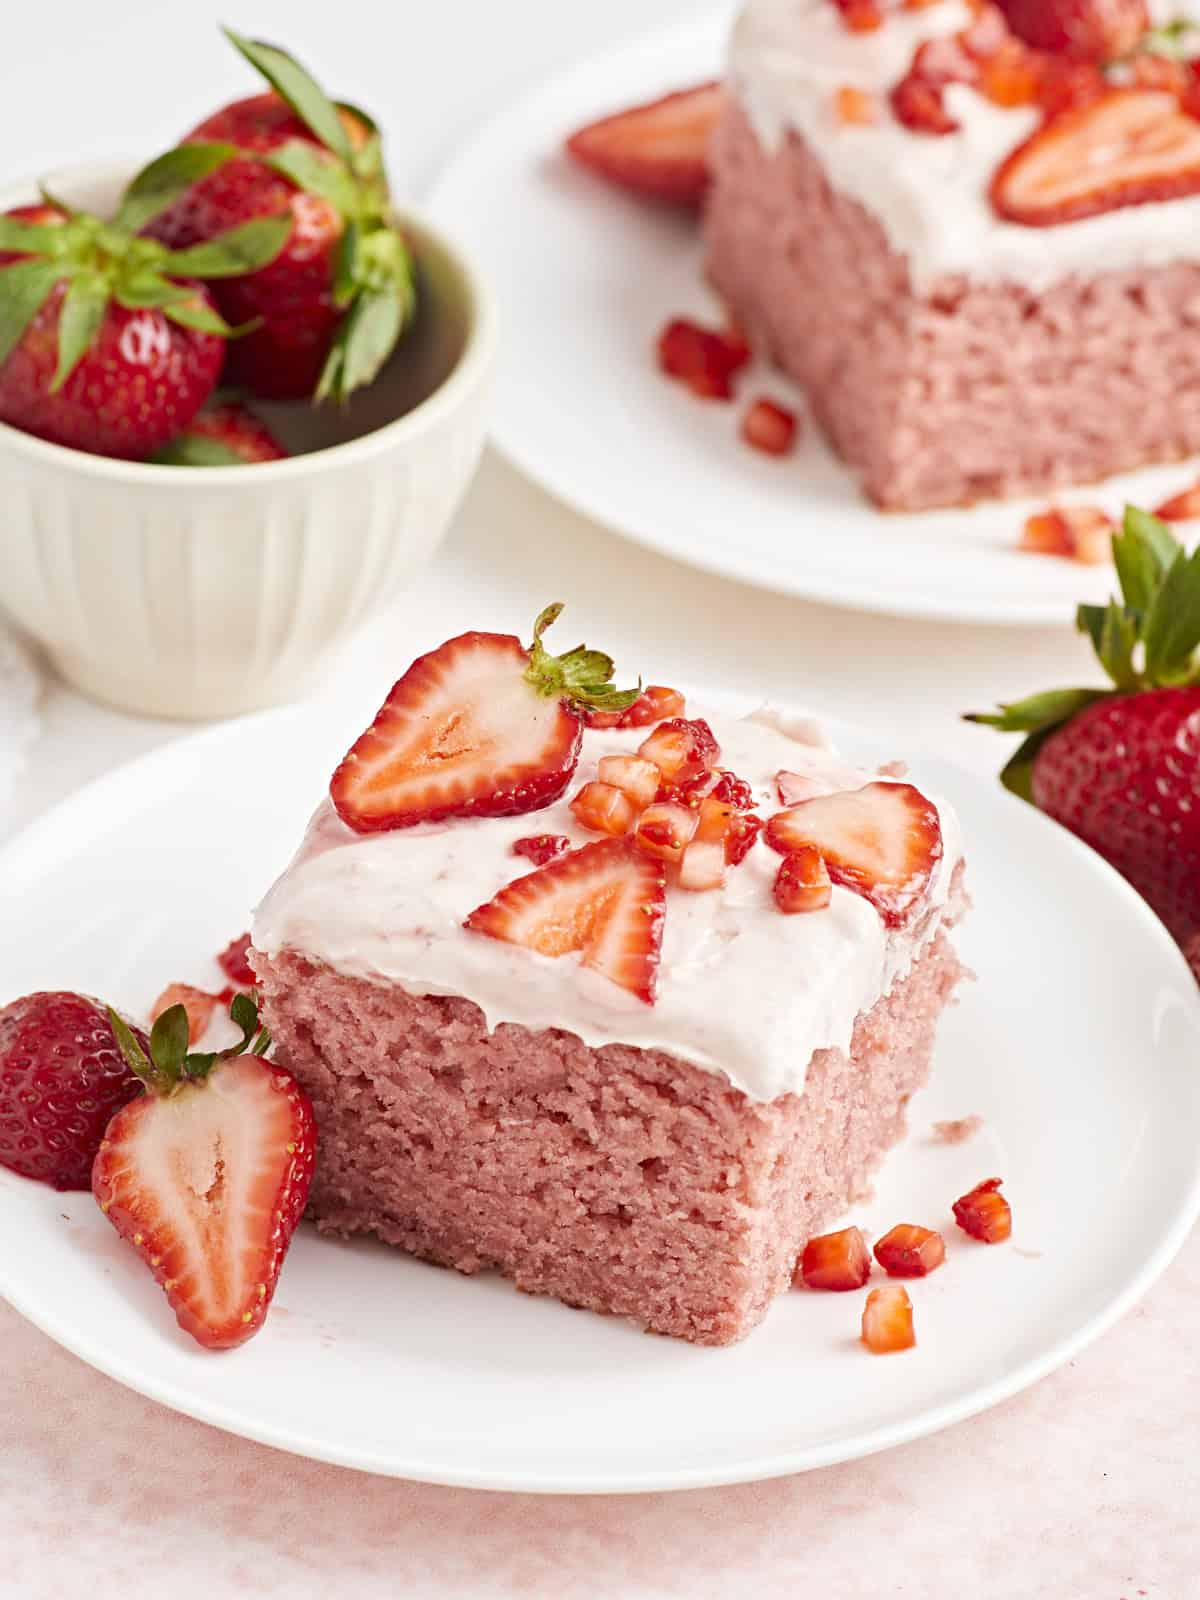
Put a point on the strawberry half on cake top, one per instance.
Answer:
(970, 231)
(622, 1000)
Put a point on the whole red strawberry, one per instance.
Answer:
(62, 1076)
(331, 305)
(1084, 30)
(222, 436)
(108, 343)
(1120, 767)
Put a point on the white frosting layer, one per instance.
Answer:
(743, 989)
(788, 57)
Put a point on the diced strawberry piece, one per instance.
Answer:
(793, 787)
(1045, 534)
(734, 791)
(910, 1251)
(198, 1003)
(919, 105)
(541, 848)
(481, 727)
(854, 107)
(703, 865)
(658, 150)
(744, 830)
(883, 841)
(769, 428)
(803, 882)
(706, 359)
(605, 809)
(606, 900)
(235, 964)
(861, 16)
(1083, 30)
(1128, 148)
(1181, 507)
(984, 1213)
(713, 819)
(664, 830)
(655, 704)
(887, 1320)
(838, 1261)
(1011, 77)
(681, 750)
(633, 775)
(1080, 533)
(207, 1179)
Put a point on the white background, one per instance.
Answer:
(84, 79)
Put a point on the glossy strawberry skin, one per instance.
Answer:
(283, 358)
(62, 1077)
(1082, 30)
(142, 381)
(239, 430)
(1124, 775)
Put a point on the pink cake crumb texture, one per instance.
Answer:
(971, 390)
(616, 1178)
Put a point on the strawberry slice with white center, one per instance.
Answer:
(481, 727)
(883, 841)
(606, 900)
(207, 1173)
(1129, 147)
(660, 149)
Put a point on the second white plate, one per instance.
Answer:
(586, 276)
(1078, 1045)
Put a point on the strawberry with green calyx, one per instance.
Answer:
(221, 436)
(108, 342)
(207, 1172)
(335, 301)
(1120, 767)
(482, 726)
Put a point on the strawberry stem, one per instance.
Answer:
(581, 676)
(169, 1065)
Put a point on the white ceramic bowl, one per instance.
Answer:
(208, 591)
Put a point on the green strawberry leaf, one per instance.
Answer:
(169, 1041)
(80, 320)
(1038, 711)
(196, 450)
(367, 162)
(144, 287)
(160, 184)
(366, 338)
(1172, 626)
(131, 1050)
(1144, 552)
(316, 172)
(34, 238)
(24, 289)
(196, 313)
(231, 254)
(345, 265)
(1017, 773)
(294, 85)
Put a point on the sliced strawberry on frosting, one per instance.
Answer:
(1083, 30)
(480, 727)
(660, 149)
(1127, 148)
(606, 901)
(883, 841)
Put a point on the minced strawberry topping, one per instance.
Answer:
(1080, 533)
(838, 1261)
(910, 1251)
(984, 1213)
(887, 1320)
(541, 848)
(704, 359)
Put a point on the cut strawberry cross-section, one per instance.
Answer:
(606, 900)
(659, 150)
(883, 841)
(1127, 148)
(480, 727)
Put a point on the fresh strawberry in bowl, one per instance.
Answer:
(1120, 765)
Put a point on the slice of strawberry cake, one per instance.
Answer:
(970, 231)
(619, 1000)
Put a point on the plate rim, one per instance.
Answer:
(749, 1469)
(962, 606)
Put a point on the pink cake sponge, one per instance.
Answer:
(619, 1179)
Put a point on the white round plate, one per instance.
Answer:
(585, 277)
(1078, 1045)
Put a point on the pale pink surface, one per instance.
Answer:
(105, 1495)
(968, 392)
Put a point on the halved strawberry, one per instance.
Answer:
(887, 1320)
(479, 727)
(1127, 148)
(660, 149)
(197, 1003)
(803, 883)
(1181, 507)
(984, 1213)
(883, 841)
(838, 1261)
(606, 900)
(910, 1251)
(206, 1174)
